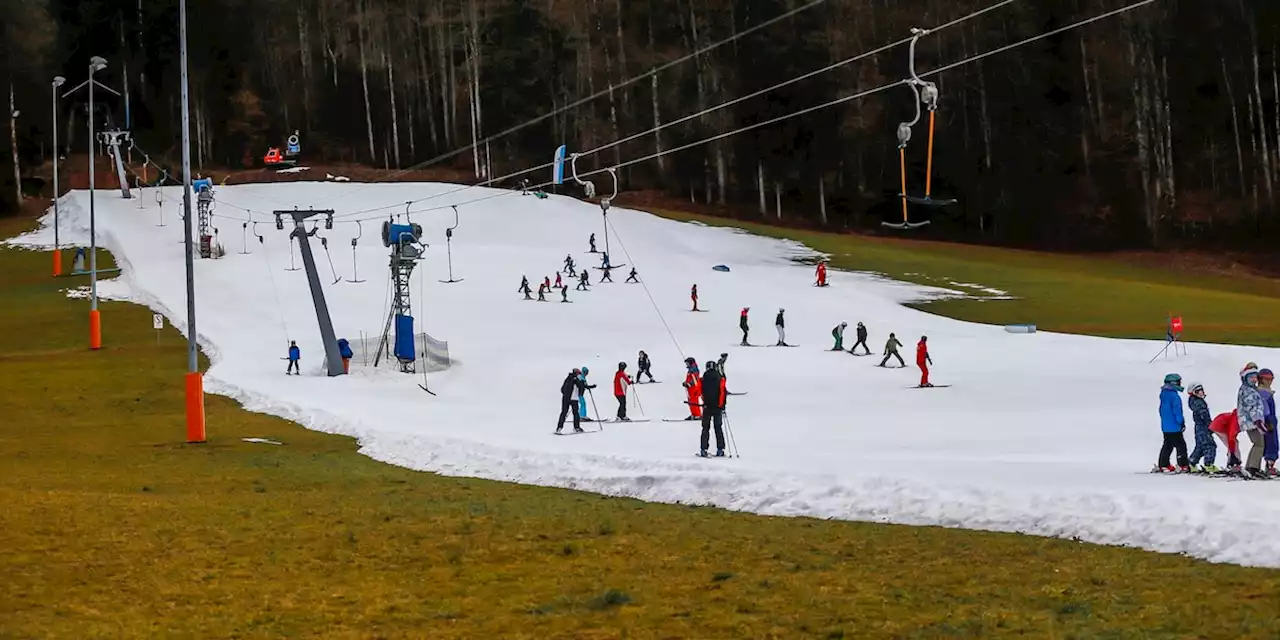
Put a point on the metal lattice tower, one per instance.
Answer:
(406, 251)
(204, 214)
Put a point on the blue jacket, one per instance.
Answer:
(344, 348)
(1268, 406)
(1200, 413)
(295, 353)
(1171, 420)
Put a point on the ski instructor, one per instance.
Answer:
(570, 391)
(713, 399)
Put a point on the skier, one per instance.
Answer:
(693, 294)
(923, 361)
(344, 350)
(891, 351)
(295, 354)
(542, 292)
(592, 240)
(568, 266)
(724, 357)
(1265, 378)
(570, 391)
(582, 398)
(1226, 427)
(780, 324)
(606, 277)
(1206, 449)
(742, 324)
(547, 281)
(822, 274)
(642, 367)
(1252, 416)
(693, 389)
(582, 282)
(862, 340)
(559, 282)
(604, 261)
(713, 399)
(633, 276)
(564, 294)
(1172, 424)
(524, 287)
(838, 334)
(620, 382)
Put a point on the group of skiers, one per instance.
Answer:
(923, 359)
(570, 269)
(1254, 414)
(779, 324)
(295, 357)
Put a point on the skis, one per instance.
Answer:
(611, 267)
(617, 421)
(694, 420)
(932, 386)
(782, 345)
(575, 433)
(736, 393)
(699, 311)
(748, 345)
(651, 382)
(424, 388)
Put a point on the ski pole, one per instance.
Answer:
(635, 394)
(593, 408)
(729, 432)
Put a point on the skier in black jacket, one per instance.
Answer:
(713, 400)
(642, 367)
(862, 340)
(573, 387)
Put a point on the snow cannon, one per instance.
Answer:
(294, 147)
(404, 239)
(721, 267)
(202, 184)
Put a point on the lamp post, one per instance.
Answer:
(194, 381)
(58, 81)
(96, 63)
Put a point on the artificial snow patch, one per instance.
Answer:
(1042, 435)
(294, 170)
(330, 176)
(261, 441)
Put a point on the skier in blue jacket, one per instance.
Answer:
(1172, 423)
(295, 354)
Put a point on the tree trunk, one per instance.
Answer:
(1262, 132)
(764, 210)
(1235, 124)
(364, 82)
(1142, 126)
(390, 63)
(657, 129)
(822, 200)
(777, 198)
(13, 145)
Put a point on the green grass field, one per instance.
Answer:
(111, 527)
(1093, 295)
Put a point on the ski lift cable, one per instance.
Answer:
(825, 105)
(581, 101)
(723, 105)
(631, 260)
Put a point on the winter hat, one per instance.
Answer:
(1266, 373)
(1174, 380)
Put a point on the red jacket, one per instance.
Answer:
(620, 382)
(922, 352)
(1228, 424)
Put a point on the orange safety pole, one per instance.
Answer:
(902, 163)
(57, 262)
(928, 172)
(195, 407)
(95, 330)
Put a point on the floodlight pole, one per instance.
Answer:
(194, 381)
(58, 81)
(96, 63)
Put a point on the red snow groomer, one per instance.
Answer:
(275, 159)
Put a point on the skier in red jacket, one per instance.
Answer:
(693, 293)
(923, 360)
(693, 387)
(822, 274)
(620, 383)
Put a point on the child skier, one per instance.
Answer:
(570, 391)
(1265, 378)
(592, 240)
(862, 340)
(568, 266)
(1206, 449)
(582, 282)
(693, 389)
(633, 276)
(742, 324)
(604, 261)
(838, 334)
(582, 398)
(1172, 424)
(620, 383)
(295, 354)
(822, 274)
(606, 277)
(1252, 416)
(559, 282)
(642, 367)
(524, 287)
(923, 361)
(693, 294)
(781, 325)
(564, 294)
(891, 351)
(542, 292)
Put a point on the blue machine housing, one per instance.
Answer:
(404, 349)
(202, 184)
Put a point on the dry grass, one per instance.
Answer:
(109, 527)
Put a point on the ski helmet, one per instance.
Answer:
(1250, 370)
(711, 364)
(1174, 380)
(780, 310)
(576, 371)
(844, 324)
(585, 371)
(1266, 373)
(621, 366)
(1194, 387)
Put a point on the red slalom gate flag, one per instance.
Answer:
(1175, 325)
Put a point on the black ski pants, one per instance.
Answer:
(569, 406)
(713, 417)
(644, 372)
(622, 407)
(293, 366)
(892, 354)
(1173, 441)
(745, 331)
(863, 344)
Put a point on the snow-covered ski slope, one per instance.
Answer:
(1042, 434)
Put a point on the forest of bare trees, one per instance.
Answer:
(1160, 127)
